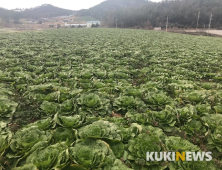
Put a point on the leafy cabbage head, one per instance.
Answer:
(138, 147)
(51, 157)
(70, 121)
(166, 118)
(49, 108)
(5, 137)
(154, 130)
(218, 109)
(175, 144)
(44, 124)
(7, 108)
(215, 138)
(123, 104)
(92, 103)
(213, 120)
(118, 165)
(92, 154)
(100, 129)
(91, 100)
(203, 109)
(64, 135)
(26, 138)
(141, 118)
(194, 97)
(187, 113)
(157, 100)
(87, 74)
(66, 107)
(194, 127)
(133, 92)
(130, 132)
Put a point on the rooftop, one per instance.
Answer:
(93, 21)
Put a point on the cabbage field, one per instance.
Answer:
(100, 99)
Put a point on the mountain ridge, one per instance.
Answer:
(42, 11)
(110, 5)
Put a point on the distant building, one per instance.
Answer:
(157, 28)
(90, 23)
(75, 25)
(31, 21)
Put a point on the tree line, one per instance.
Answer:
(135, 13)
(181, 13)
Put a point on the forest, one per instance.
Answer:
(135, 13)
(181, 13)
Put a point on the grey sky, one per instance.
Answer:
(67, 4)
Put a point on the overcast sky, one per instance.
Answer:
(67, 4)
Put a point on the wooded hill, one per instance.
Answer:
(43, 11)
(136, 13)
(140, 13)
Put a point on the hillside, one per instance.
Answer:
(101, 9)
(6, 13)
(134, 13)
(43, 11)
(181, 13)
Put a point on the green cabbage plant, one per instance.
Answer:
(187, 113)
(100, 130)
(92, 154)
(195, 97)
(52, 97)
(5, 137)
(85, 83)
(44, 124)
(203, 109)
(64, 135)
(118, 165)
(179, 87)
(49, 108)
(70, 121)
(141, 118)
(66, 107)
(177, 144)
(123, 104)
(42, 88)
(86, 74)
(194, 127)
(98, 84)
(215, 138)
(130, 132)
(93, 104)
(138, 147)
(155, 131)
(157, 100)
(7, 108)
(52, 157)
(166, 118)
(99, 73)
(212, 120)
(133, 92)
(25, 139)
(218, 109)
